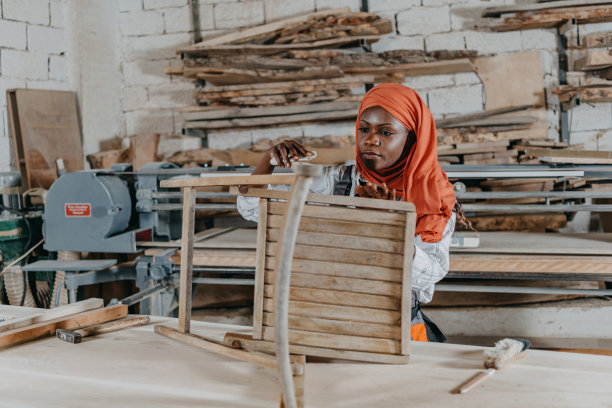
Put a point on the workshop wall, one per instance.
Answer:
(113, 54)
(33, 49)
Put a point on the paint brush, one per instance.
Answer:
(504, 353)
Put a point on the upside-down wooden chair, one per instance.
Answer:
(350, 283)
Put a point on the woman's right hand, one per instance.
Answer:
(287, 151)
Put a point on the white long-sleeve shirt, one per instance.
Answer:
(431, 259)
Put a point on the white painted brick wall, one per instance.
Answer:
(153, 4)
(170, 145)
(424, 20)
(26, 65)
(590, 117)
(130, 5)
(46, 40)
(274, 133)
(58, 19)
(466, 78)
(177, 19)
(13, 34)
(134, 97)
(169, 95)
(229, 140)
(57, 68)
(153, 47)
(277, 9)
(455, 100)
(445, 41)
(425, 82)
(355, 5)
(233, 15)
(9, 83)
(143, 72)
(141, 22)
(493, 43)
(376, 6)
(207, 17)
(30, 11)
(399, 42)
(149, 121)
(539, 39)
(593, 139)
(5, 144)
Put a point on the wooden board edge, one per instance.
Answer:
(260, 269)
(406, 302)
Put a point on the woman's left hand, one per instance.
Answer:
(372, 190)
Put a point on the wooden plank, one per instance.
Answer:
(593, 94)
(61, 311)
(184, 312)
(450, 66)
(16, 138)
(341, 269)
(308, 280)
(590, 265)
(309, 224)
(338, 297)
(343, 213)
(237, 180)
(49, 136)
(269, 49)
(500, 73)
(450, 122)
(267, 28)
(72, 322)
(585, 154)
(597, 40)
(221, 257)
(271, 120)
(471, 148)
(260, 270)
(342, 241)
(359, 202)
(335, 312)
(338, 341)
(317, 83)
(257, 358)
(314, 324)
(267, 346)
(597, 59)
(235, 112)
(234, 76)
(521, 8)
(406, 302)
(555, 18)
(352, 256)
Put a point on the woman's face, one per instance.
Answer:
(381, 138)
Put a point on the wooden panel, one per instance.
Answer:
(346, 214)
(338, 341)
(184, 312)
(342, 241)
(338, 327)
(72, 322)
(591, 265)
(348, 313)
(48, 130)
(218, 257)
(336, 297)
(341, 269)
(309, 224)
(236, 180)
(260, 269)
(352, 256)
(407, 284)
(247, 342)
(359, 202)
(372, 287)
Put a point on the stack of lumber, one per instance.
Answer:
(293, 71)
(19, 325)
(549, 14)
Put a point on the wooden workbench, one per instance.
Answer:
(137, 368)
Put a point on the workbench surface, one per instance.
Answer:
(137, 368)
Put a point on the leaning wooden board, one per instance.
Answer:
(44, 126)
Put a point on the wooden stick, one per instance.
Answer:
(475, 380)
(189, 198)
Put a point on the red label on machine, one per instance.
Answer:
(78, 210)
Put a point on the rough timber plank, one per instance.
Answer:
(347, 313)
(314, 324)
(338, 341)
(406, 305)
(353, 256)
(342, 241)
(337, 297)
(521, 8)
(309, 224)
(343, 214)
(266, 346)
(260, 269)
(189, 200)
(341, 270)
(555, 18)
(229, 180)
(560, 265)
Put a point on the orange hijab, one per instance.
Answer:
(418, 178)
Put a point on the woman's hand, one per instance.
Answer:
(287, 151)
(372, 190)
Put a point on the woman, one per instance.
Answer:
(396, 159)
